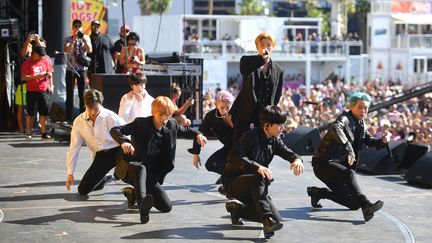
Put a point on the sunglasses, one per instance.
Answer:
(131, 44)
(77, 26)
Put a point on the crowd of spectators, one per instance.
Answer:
(410, 120)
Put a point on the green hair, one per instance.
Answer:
(359, 96)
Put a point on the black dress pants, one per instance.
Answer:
(251, 190)
(70, 81)
(342, 182)
(217, 161)
(146, 182)
(103, 162)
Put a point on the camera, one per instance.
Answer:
(80, 34)
(132, 58)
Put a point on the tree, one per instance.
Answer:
(251, 7)
(314, 12)
(362, 8)
(149, 7)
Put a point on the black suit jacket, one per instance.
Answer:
(246, 101)
(142, 130)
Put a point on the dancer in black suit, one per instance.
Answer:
(150, 154)
(216, 123)
(247, 176)
(262, 85)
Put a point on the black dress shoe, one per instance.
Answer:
(271, 225)
(269, 235)
(101, 184)
(313, 194)
(129, 193)
(234, 209)
(369, 210)
(219, 180)
(221, 190)
(145, 206)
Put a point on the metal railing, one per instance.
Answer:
(412, 41)
(230, 48)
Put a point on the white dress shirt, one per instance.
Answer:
(132, 108)
(96, 136)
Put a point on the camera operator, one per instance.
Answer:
(136, 59)
(76, 47)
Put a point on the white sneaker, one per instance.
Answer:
(28, 138)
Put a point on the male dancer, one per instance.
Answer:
(216, 123)
(262, 85)
(151, 151)
(334, 162)
(92, 127)
(247, 176)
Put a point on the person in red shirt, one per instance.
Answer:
(37, 71)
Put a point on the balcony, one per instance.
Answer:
(412, 41)
(282, 49)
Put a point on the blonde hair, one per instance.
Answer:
(265, 35)
(163, 105)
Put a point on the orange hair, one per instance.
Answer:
(163, 105)
(265, 35)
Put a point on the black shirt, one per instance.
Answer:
(155, 149)
(101, 55)
(118, 46)
(214, 125)
(254, 149)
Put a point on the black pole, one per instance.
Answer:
(124, 37)
(56, 25)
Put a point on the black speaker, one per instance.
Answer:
(421, 170)
(57, 112)
(413, 152)
(114, 86)
(303, 140)
(379, 162)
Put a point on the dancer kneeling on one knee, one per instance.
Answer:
(247, 176)
(217, 122)
(149, 155)
(334, 162)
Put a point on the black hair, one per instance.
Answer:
(132, 36)
(76, 21)
(93, 97)
(272, 114)
(137, 78)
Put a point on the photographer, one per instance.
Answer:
(136, 55)
(76, 47)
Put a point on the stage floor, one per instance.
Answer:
(36, 207)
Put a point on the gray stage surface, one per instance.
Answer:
(35, 206)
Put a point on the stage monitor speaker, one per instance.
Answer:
(57, 112)
(421, 170)
(303, 140)
(379, 161)
(114, 86)
(412, 153)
